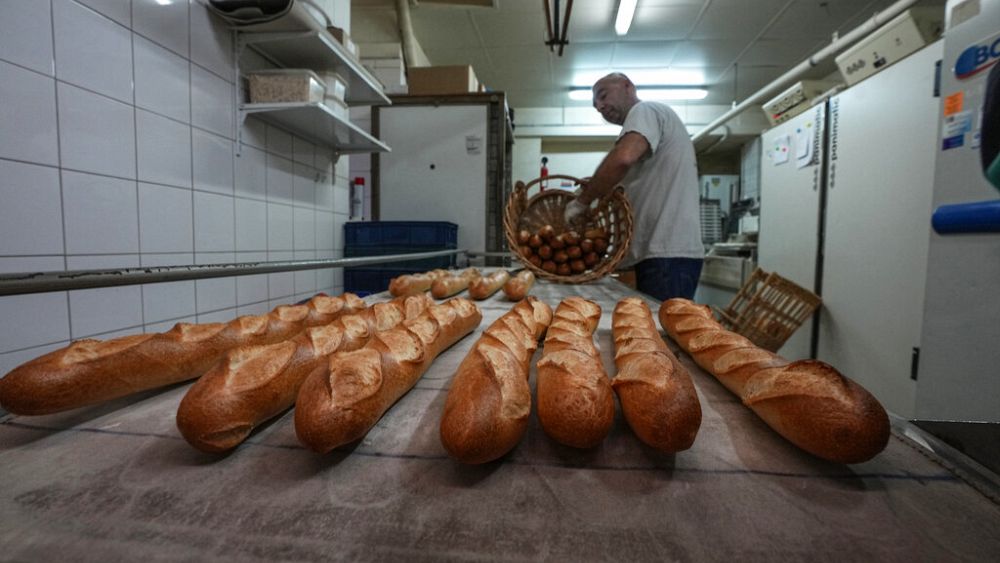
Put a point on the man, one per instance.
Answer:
(654, 159)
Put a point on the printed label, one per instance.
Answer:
(953, 103)
(978, 57)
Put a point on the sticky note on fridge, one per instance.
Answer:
(803, 145)
(782, 146)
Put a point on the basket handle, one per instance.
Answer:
(551, 177)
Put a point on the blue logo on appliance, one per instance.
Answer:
(977, 58)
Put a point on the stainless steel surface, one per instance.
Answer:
(726, 271)
(39, 282)
(116, 482)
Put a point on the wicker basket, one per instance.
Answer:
(768, 309)
(612, 213)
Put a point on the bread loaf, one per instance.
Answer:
(447, 286)
(486, 412)
(340, 401)
(808, 402)
(517, 288)
(255, 383)
(412, 284)
(657, 396)
(483, 287)
(576, 406)
(93, 371)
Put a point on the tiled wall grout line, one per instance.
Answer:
(62, 196)
(135, 131)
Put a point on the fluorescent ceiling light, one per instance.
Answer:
(626, 9)
(645, 76)
(649, 94)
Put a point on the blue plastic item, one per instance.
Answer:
(975, 217)
(437, 234)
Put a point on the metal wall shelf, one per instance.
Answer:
(318, 124)
(319, 51)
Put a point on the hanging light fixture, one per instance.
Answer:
(552, 24)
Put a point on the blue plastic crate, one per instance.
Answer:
(372, 280)
(438, 234)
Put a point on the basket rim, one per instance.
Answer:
(518, 203)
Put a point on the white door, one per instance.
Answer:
(790, 184)
(878, 213)
(437, 168)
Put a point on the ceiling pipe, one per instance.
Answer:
(411, 57)
(722, 139)
(781, 82)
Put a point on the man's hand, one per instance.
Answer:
(574, 211)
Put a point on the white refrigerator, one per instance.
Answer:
(880, 177)
(959, 373)
(791, 185)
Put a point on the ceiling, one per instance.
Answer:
(738, 45)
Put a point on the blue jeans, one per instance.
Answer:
(666, 278)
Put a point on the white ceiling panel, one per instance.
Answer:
(776, 52)
(720, 52)
(647, 54)
(503, 29)
(662, 22)
(727, 19)
(444, 28)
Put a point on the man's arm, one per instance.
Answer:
(626, 152)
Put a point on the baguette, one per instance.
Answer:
(517, 288)
(446, 286)
(93, 371)
(341, 401)
(256, 383)
(576, 406)
(413, 284)
(486, 412)
(808, 402)
(483, 287)
(657, 396)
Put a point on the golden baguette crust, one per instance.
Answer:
(413, 284)
(517, 288)
(446, 286)
(486, 412)
(484, 286)
(93, 371)
(808, 402)
(576, 406)
(656, 392)
(340, 401)
(256, 383)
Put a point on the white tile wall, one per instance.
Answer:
(162, 81)
(26, 35)
(100, 214)
(31, 201)
(117, 149)
(92, 51)
(166, 220)
(30, 110)
(163, 148)
(96, 134)
(213, 162)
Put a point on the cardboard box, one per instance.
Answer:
(425, 80)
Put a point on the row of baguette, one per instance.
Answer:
(444, 283)
(343, 364)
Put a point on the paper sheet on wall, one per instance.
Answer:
(803, 146)
(781, 149)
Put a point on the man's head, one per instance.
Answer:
(614, 95)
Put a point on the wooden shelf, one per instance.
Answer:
(318, 51)
(318, 124)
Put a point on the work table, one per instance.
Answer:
(117, 481)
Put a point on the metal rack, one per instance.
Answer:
(40, 282)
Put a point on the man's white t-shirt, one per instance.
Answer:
(662, 187)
